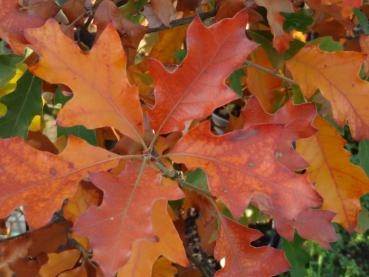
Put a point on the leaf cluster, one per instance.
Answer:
(179, 138)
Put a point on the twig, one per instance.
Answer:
(181, 21)
(268, 71)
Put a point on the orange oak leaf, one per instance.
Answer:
(146, 252)
(60, 262)
(40, 181)
(242, 259)
(169, 42)
(197, 86)
(339, 9)
(244, 166)
(336, 75)
(274, 8)
(340, 182)
(297, 120)
(163, 268)
(124, 215)
(261, 84)
(86, 195)
(62, 61)
(80, 271)
(13, 22)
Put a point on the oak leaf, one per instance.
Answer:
(316, 225)
(40, 181)
(62, 61)
(242, 259)
(86, 195)
(163, 268)
(187, 5)
(170, 41)
(60, 262)
(228, 8)
(80, 271)
(131, 33)
(146, 252)
(274, 8)
(336, 75)
(243, 166)
(12, 250)
(13, 22)
(124, 215)
(297, 120)
(42, 8)
(22, 105)
(197, 86)
(73, 9)
(339, 9)
(15, 251)
(340, 182)
(164, 10)
(261, 84)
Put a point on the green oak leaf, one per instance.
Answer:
(22, 105)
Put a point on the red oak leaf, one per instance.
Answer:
(125, 213)
(316, 225)
(242, 259)
(13, 22)
(197, 86)
(297, 120)
(245, 165)
(40, 181)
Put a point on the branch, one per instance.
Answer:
(181, 21)
(271, 72)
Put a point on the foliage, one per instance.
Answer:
(179, 138)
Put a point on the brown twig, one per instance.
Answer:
(268, 71)
(181, 21)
